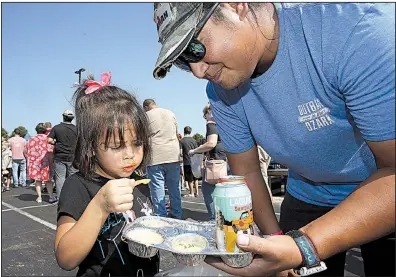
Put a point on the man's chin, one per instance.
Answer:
(228, 85)
(229, 82)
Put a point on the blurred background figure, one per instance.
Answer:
(214, 149)
(50, 157)
(183, 184)
(36, 152)
(188, 143)
(164, 168)
(6, 164)
(64, 137)
(17, 144)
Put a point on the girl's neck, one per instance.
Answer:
(101, 172)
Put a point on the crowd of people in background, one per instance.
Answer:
(45, 158)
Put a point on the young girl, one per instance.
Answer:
(112, 143)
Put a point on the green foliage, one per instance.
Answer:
(198, 138)
(23, 130)
(4, 133)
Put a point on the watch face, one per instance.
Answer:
(305, 271)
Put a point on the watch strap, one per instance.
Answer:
(307, 249)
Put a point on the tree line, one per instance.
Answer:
(5, 134)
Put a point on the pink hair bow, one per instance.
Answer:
(93, 86)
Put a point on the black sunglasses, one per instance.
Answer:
(195, 50)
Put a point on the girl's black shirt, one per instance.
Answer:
(109, 255)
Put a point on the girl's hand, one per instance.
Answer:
(116, 195)
(276, 254)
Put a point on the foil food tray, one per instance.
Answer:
(189, 242)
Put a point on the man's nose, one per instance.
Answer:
(199, 69)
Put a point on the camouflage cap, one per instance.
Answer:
(176, 26)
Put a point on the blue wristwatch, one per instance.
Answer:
(311, 262)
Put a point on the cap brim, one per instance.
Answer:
(175, 44)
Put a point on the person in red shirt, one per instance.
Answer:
(36, 152)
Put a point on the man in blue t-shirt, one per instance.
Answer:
(314, 84)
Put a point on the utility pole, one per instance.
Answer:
(78, 72)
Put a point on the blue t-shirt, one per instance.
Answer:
(330, 88)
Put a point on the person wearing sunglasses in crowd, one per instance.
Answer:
(314, 84)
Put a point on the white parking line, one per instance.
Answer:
(191, 202)
(35, 218)
(29, 207)
(195, 210)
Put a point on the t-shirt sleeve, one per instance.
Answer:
(74, 198)
(211, 129)
(366, 74)
(234, 131)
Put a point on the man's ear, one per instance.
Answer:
(241, 9)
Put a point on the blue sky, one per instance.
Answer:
(44, 43)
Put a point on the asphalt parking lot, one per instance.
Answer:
(28, 232)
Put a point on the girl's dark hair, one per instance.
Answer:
(40, 128)
(99, 112)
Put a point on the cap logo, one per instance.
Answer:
(161, 19)
(163, 16)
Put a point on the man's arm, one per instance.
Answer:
(210, 143)
(247, 164)
(367, 214)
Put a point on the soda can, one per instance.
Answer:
(233, 208)
(232, 179)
